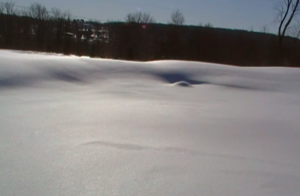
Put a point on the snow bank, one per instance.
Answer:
(26, 69)
(80, 126)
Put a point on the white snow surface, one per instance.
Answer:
(90, 127)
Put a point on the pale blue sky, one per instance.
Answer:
(237, 14)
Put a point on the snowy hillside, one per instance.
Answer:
(81, 126)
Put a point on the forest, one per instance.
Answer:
(140, 38)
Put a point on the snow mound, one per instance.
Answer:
(182, 84)
(108, 127)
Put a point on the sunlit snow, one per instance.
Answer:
(90, 127)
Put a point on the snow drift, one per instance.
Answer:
(80, 126)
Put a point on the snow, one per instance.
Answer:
(80, 126)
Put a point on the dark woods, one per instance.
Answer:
(38, 29)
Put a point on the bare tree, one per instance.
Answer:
(41, 14)
(265, 29)
(59, 18)
(38, 11)
(208, 25)
(8, 32)
(177, 18)
(139, 17)
(57, 14)
(8, 8)
(286, 13)
(1, 8)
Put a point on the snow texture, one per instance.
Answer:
(81, 126)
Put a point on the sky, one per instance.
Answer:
(234, 14)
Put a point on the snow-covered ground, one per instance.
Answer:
(80, 126)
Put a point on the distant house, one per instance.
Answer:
(88, 32)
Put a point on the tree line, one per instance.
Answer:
(140, 38)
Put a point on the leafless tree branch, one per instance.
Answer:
(8, 8)
(1, 8)
(139, 17)
(38, 11)
(177, 18)
(286, 13)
